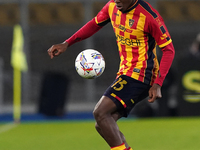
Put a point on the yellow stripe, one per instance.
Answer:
(121, 101)
(121, 147)
(117, 31)
(110, 9)
(141, 50)
(113, 95)
(118, 21)
(128, 48)
(96, 20)
(165, 44)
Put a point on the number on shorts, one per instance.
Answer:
(121, 83)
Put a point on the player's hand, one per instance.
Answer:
(154, 93)
(57, 49)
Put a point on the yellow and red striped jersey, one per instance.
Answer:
(138, 30)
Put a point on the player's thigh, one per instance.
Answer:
(116, 115)
(105, 106)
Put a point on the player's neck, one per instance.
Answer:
(133, 2)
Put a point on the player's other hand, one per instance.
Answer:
(57, 49)
(154, 93)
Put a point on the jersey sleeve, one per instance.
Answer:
(163, 39)
(102, 18)
(159, 31)
(85, 32)
(165, 63)
(91, 27)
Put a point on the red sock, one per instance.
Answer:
(129, 148)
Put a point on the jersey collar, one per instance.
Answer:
(132, 7)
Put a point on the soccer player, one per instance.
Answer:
(138, 28)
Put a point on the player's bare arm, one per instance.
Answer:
(154, 93)
(57, 49)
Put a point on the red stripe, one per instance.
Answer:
(121, 33)
(114, 15)
(119, 99)
(135, 18)
(135, 56)
(142, 71)
(134, 49)
(123, 19)
(123, 52)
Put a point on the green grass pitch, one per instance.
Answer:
(141, 134)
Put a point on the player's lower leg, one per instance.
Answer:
(109, 128)
(121, 134)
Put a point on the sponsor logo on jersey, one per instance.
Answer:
(122, 28)
(136, 70)
(127, 41)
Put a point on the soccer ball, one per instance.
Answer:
(89, 64)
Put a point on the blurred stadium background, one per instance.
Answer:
(52, 87)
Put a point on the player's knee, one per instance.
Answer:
(97, 127)
(104, 108)
(98, 114)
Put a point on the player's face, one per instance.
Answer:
(123, 5)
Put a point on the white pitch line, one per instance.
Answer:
(7, 127)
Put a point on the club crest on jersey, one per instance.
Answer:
(131, 22)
